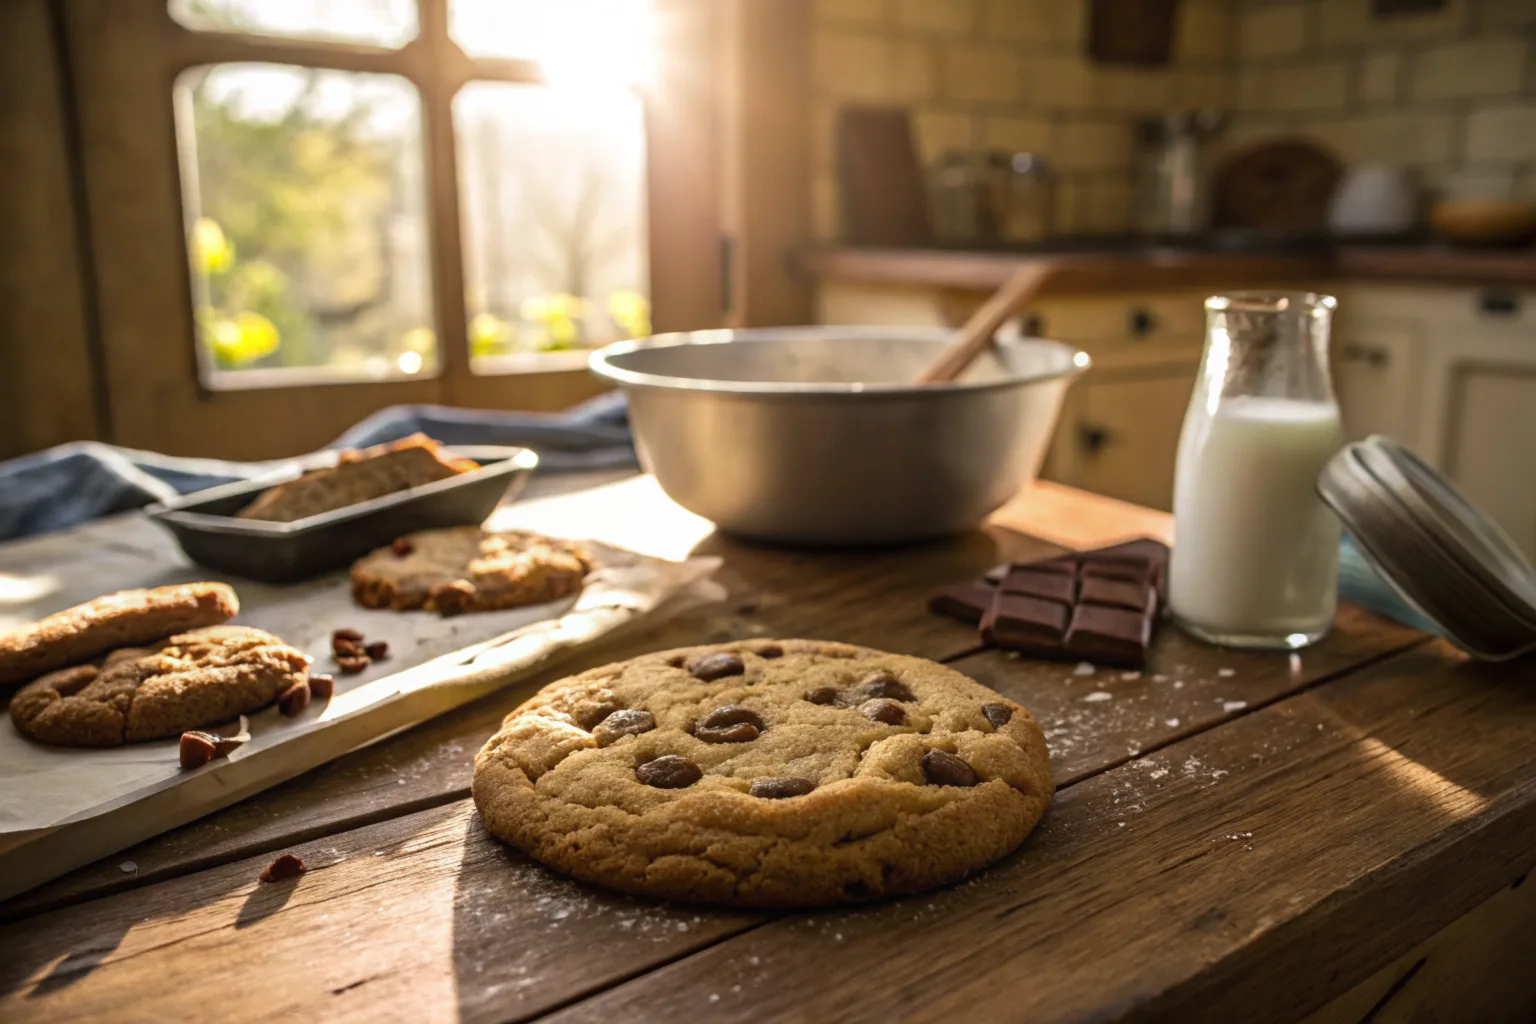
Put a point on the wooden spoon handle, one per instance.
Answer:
(977, 333)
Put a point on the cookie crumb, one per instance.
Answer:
(283, 868)
(378, 650)
(1084, 668)
(197, 749)
(294, 700)
(128, 867)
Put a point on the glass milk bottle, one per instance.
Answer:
(1255, 558)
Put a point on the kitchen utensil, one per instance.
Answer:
(1373, 200)
(1442, 556)
(883, 196)
(1174, 196)
(977, 332)
(1281, 185)
(1030, 211)
(205, 526)
(956, 192)
(816, 435)
(1484, 221)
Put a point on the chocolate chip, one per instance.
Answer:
(779, 789)
(589, 714)
(676, 661)
(716, 665)
(997, 714)
(885, 711)
(197, 749)
(352, 666)
(321, 686)
(823, 695)
(403, 546)
(941, 768)
(346, 634)
(769, 651)
(294, 700)
(669, 772)
(730, 724)
(342, 647)
(630, 722)
(285, 867)
(884, 684)
(378, 650)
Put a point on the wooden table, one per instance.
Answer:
(1235, 835)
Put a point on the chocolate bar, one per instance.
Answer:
(1100, 606)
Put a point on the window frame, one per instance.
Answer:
(124, 57)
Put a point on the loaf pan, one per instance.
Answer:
(205, 526)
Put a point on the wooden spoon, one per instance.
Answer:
(977, 333)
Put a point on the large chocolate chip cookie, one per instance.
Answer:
(187, 681)
(766, 773)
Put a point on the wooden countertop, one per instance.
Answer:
(1235, 835)
(1154, 268)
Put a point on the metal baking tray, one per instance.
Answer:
(205, 526)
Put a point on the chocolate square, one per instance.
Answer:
(1136, 597)
(1109, 636)
(1053, 586)
(1065, 565)
(1024, 623)
(1130, 570)
(967, 602)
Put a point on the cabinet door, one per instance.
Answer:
(1376, 377)
(1492, 445)
(1122, 436)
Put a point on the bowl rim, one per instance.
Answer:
(601, 362)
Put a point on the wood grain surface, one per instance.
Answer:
(1235, 834)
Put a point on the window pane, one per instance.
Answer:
(379, 22)
(306, 231)
(576, 40)
(551, 186)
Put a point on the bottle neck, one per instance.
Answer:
(1267, 346)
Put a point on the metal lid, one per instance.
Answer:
(1437, 551)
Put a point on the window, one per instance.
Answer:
(302, 210)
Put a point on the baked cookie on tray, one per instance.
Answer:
(787, 773)
(189, 680)
(128, 618)
(468, 569)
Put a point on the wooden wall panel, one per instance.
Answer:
(47, 388)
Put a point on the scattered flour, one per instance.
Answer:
(1172, 723)
(1096, 696)
(1128, 676)
(1084, 668)
(1233, 705)
(1160, 773)
(128, 867)
(1178, 684)
(1226, 673)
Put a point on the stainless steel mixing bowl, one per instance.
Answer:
(813, 435)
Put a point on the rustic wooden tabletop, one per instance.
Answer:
(1342, 832)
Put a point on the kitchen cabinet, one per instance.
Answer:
(1119, 435)
(1489, 453)
(1375, 373)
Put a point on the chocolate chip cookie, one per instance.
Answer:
(190, 680)
(128, 618)
(786, 773)
(467, 569)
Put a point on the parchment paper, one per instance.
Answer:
(62, 807)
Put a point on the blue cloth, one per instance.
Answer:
(74, 483)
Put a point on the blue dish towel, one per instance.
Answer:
(74, 483)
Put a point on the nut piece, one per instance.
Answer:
(669, 772)
(886, 712)
(730, 724)
(285, 867)
(342, 647)
(321, 686)
(998, 714)
(352, 666)
(942, 768)
(716, 665)
(294, 700)
(197, 749)
(403, 546)
(779, 789)
(346, 633)
(378, 650)
(883, 684)
(630, 722)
